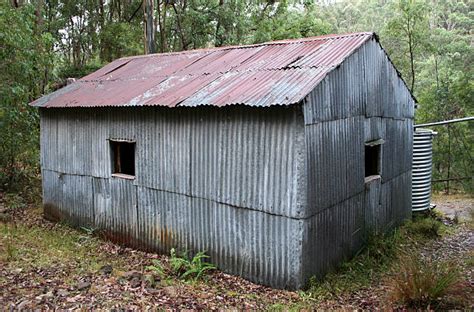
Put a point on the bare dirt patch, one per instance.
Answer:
(454, 206)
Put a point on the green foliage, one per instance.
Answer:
(120, 39)
(157, 268)
(35, 247)
(69, 71)
(420, 283)
(182, 266)
(425, 227)
(14, 201)
(408, 30)
(186, 268)
(282, 20)
(23, 62)
(446, 92)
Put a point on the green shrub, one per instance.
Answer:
(182, 266)
(157, 268)
(419, 283)
(186, 268)
(428, 227)
(14, 201)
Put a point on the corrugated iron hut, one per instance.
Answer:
(274, 158)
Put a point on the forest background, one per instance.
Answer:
(44, 42)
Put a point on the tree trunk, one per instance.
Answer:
(449, 160)
(149, 26)
(162, 25)
(412, 66)
(181, 34)
(219, 40)
(39, 45)
(101, 14)
(39, 15)
(15, 3)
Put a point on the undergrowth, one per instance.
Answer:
(413, 281)
(183, 266)
(379, 255)
(22, 194)
(360, 271)
(31, 247)
(422, 283)
(470, 221)
(425, 226)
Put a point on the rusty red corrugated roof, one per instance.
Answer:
(273, 73)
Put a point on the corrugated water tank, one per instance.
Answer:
(422, 168)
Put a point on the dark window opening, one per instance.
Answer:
(372, 160)
(123, 157)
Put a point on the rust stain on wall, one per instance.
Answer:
(53, 213)
(166, 238)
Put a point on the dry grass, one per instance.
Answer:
(423, 283)
(470, 221)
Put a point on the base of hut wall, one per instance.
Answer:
(339, 232)
(256, 245)
(274, 250)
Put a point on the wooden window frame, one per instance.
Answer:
(119, 147)
(371, 148)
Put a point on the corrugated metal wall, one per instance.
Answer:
(360, 101)
(240, 157)
(228, 181)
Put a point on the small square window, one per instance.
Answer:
(123, 158)
(373, 157)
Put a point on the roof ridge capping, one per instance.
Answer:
(253, 45)
(322, 37)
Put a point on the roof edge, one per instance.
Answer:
(377, 39)
(253, 45)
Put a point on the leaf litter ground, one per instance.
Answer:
(47, 266)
